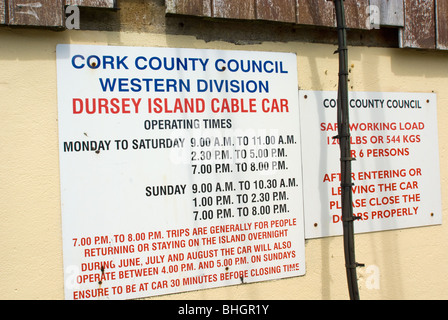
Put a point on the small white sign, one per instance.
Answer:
(180, 169)
(396, 179)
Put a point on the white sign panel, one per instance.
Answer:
(180, 169)
(396, 179)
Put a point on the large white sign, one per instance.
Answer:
(396, 180)
(180, 169)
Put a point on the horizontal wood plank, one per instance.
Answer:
(391, 13)
(357, 14)
(91, 3)
(276, 10)
(189, 7)
(233, 9)
(419, 24)
(43, 13)
(316, 13)
(442, 25)
(2, 11)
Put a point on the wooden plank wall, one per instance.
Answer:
(282, 10)
(442, 25)
(391, 12)
(91, 3)
(2, 12)
(425, 24)
(422, 23)
(42, 13)
(308, 12)
(235, 9)
(317, 13)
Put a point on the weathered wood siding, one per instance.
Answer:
(315, 12)
(42, 13)
(91, 3)
(442, 24)
(421, 23)
(2, 12)
(282, 10)
(189, 7)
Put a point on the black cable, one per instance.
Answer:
(346, 159)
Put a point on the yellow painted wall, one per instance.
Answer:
(409, 263)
